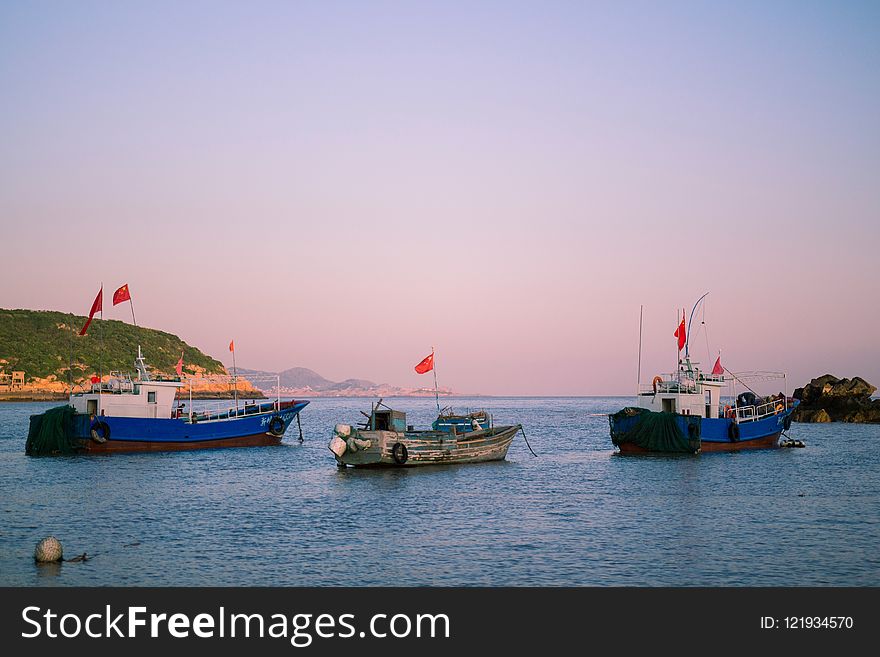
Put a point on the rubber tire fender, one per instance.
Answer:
(276, 426)
(733, 432)
(399, 453)
(103, 428)
(786, 423)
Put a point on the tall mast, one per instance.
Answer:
(101, 330)
(639, 371)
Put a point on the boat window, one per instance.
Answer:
(151, 397)
(382, 421)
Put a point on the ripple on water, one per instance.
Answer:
(577, 515)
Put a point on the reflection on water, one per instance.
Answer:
(577, 515)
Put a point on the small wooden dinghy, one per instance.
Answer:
(387, 441)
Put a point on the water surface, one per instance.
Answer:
(577, 515)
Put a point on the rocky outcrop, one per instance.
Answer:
(221, 387)
(204, 386)
(829, 399)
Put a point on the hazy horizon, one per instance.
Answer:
(340, 186)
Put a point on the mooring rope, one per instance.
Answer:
(527, 441)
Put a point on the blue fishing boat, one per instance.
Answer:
(691, 411)
(125, 414)
(687, 412)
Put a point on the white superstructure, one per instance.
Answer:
(690, 391)
(122, 396)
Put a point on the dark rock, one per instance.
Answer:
(829, 399)
(801, 414)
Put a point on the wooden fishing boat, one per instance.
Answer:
(386, 440)
(142, 414)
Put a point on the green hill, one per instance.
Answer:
(41, 342)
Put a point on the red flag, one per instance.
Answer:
(95, 379)
(679, 333)
(232, 346)
(719, 368)
(426, 365)
(179, 366)
(96, 307)
(122, 294)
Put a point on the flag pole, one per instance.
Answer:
(101, 325)
(234, 380)
(70, 358)
(436, 392)
(131, 303)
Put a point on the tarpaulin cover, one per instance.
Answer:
(52, 432)
(656, 432)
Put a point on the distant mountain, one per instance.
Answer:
(303, 378)
(301, 381)
(353, 383)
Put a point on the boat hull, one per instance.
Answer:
(177, 434)
(429, 448)
(766, 442)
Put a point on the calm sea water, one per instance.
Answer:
(576, 515)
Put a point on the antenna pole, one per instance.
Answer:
(688, 334)
(234, 383)
(639, 372)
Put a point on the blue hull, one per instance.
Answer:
(716, 430)
(695, 434)
(144, 434)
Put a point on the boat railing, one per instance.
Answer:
(669, 385)
(226, 409)
(759, 411)
(118, 383)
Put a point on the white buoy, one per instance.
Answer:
(48, 550)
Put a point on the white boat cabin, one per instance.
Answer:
(690, 391)
(122, 396)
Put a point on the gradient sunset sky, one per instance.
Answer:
(342, 185)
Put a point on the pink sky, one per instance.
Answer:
(341, 187)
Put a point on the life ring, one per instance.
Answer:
(729, 412)
(655, 381)
(399, 453)
(276, 426)
(104, 434)
(786, 423)
(733, 432)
